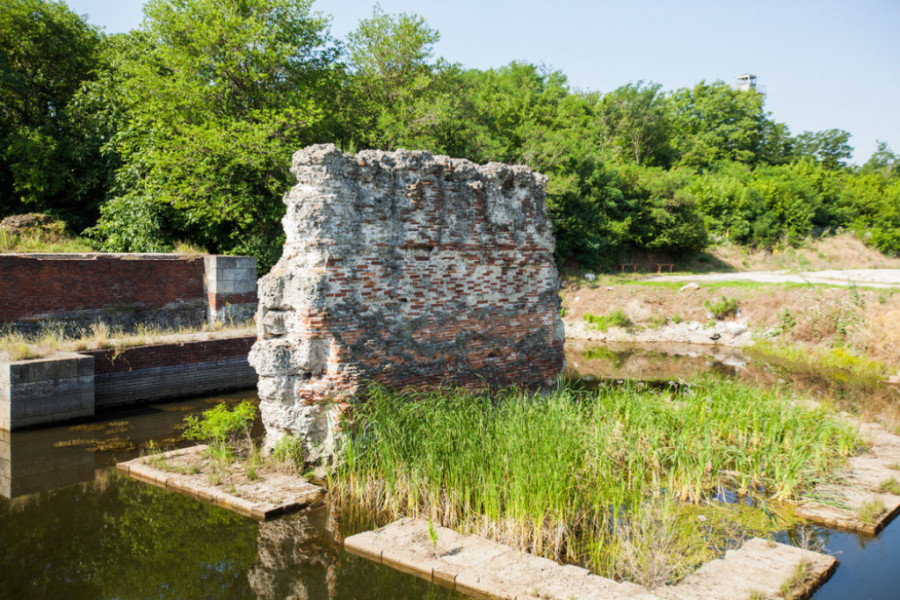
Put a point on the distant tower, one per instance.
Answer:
(746, 82)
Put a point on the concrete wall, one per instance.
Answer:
(123, 290)
(72, 386)
(46, 390)
(404, 269)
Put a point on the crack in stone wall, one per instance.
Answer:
(403, 268)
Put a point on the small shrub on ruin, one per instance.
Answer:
(227, 432)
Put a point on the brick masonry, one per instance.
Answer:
(124, 290)
(149, 373)
(404, 269)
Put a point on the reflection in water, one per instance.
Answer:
(119, 538)
(657, 363)
(70, 527)
(111, 537)
(44, 459)
(30, 464)
(115, 538)
(296, 559)
(650, 362)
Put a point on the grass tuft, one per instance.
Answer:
(869, 512)
(615, 318)
(889, 486)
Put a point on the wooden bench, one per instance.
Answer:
(660, 266)
(625, 266)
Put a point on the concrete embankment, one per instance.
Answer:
(71, 386)
(484, 569)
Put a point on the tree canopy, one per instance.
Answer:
(183, 130)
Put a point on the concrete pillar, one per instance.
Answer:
(46, 390)
(230, 286)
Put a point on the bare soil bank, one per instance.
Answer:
(862, 320)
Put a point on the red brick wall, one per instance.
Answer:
(39, 286)
(110, 360)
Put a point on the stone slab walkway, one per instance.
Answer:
(271, 495)
(865, 479)
(484, 569)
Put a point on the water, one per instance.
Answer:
(72, 528)
(868, 564)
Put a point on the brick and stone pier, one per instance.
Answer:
(404, 268)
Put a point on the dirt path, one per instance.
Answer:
(880, 278)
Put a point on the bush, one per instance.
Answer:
(227, 432)
(725, 307)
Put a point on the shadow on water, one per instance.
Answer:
(71, 527)
(44, 459)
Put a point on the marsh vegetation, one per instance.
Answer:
(620, 479)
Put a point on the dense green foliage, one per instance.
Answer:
(183, 130)
(423, 454)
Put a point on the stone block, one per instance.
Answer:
(230, 274)
(48, 390)
(59, 366)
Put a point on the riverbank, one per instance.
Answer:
(852, 323)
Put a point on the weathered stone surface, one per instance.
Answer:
(485, 569)
(404, 269)
(862, 481)
(46, 390)
(270, 495)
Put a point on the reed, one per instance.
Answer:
(619, 479)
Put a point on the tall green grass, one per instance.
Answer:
(617, 479)
(51, 239)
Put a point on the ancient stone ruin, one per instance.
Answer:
(404, 269)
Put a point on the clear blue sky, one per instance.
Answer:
(824, 63)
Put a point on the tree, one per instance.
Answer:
(389, 56)
(830, 147)
(883, 161)
(713, 122)
(636, 118)
(389, 52)
(215, 98)
(47, 156)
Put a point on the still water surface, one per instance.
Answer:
(74, 529)
(70, 527)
